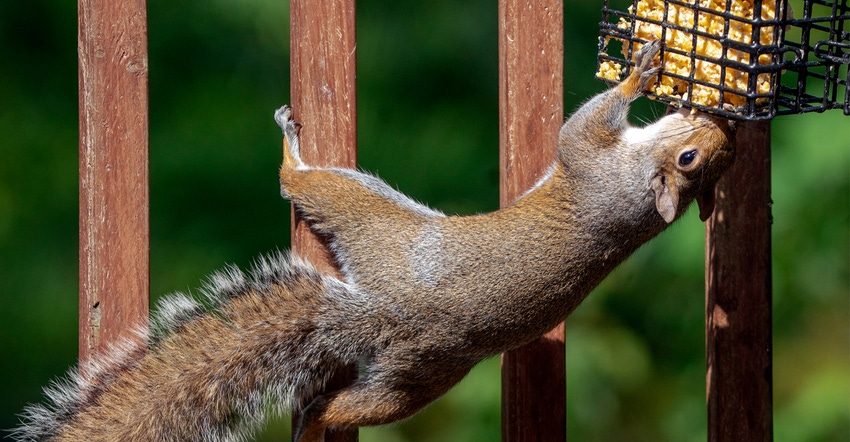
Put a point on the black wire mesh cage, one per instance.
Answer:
(741, 59)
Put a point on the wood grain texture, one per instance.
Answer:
(114, 233)
(323, 88)
(738, 296)
(530, 113)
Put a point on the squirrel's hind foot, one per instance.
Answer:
(291, 153)
(283, 118)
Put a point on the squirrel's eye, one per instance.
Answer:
(687, 158)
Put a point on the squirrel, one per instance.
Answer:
(423, 296)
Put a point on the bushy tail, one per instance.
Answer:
(211, 366)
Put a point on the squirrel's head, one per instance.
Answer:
(694, 151)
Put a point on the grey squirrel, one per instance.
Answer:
(424, 296)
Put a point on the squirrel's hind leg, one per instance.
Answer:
(292, 166)
(379, 398)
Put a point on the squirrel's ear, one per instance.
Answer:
(705, 201)
(666, 197)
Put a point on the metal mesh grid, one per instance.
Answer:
(797, 64)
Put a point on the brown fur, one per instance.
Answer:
(425, 297)
(470, 287)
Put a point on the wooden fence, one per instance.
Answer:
(114, 233)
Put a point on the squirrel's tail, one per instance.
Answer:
(212, 367)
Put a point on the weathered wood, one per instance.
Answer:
(114, 233)
(322, 65)
(738, 296)
(531, 112)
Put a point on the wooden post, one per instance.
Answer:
(322, 51)
(531, 112)
(738, 296)
(114, 233)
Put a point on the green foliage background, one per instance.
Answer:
(428, 124)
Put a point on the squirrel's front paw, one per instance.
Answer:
(644, 66)
(643, 72)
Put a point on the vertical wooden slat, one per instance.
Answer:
(531, 112)
(322, 51)
(738, 296)
(114, 234)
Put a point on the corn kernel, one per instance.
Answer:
(610, 70)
